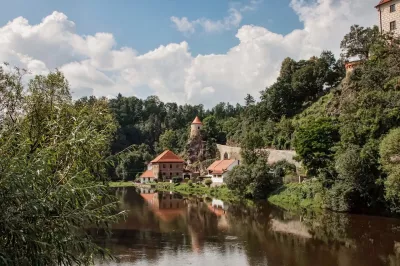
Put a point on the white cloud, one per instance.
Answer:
(183, 24)
(229, 22)
(251, 6)
(93, 64)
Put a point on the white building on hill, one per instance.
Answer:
(389, 15)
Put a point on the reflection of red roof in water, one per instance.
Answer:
(148, 197)
(217, 211)
(166, 215)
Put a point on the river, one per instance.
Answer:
(170, 229)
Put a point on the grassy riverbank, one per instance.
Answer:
(293, 196)
(221, 192)
(306, 195)
(122, 184)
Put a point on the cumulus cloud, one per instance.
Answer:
(93, 64)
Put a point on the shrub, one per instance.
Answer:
(177, 180)
(208, 182)
(190, 183)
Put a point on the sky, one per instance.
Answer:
(184, 51)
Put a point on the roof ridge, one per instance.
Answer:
(164, 157)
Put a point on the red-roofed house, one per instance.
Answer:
(389, 15)
(219, 169)
(164, 167)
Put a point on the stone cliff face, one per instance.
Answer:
(195, 149)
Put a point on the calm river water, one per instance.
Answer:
(169, 229)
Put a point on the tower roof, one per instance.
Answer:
(197, 121)
(167, 157)
(381, 2)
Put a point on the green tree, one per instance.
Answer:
(314, 142)
(53, 172)
(252, 148)
(255, 181)
(249, 100)
(208, 182)
(239, 178)
(358, 41)
(168, 141)
(133, 161)
(390, 159)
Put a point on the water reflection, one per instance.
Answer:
(168, 229)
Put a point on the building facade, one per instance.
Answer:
(218, 170)
(389, 16)
(163, 168)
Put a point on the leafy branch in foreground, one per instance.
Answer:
(52, 172)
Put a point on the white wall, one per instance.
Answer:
(220, 178)
(388, 16)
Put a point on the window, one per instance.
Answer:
(170, 166)
(170, 174)
(392, 8)
(393, 25)
(163, 166)
(198, 127)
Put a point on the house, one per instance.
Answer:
(164, 167)
(219, 169)
(389, 15)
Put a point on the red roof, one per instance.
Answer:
(197, 121)
(167, 157)
(383, 2)
(221, 166)
(149, 174)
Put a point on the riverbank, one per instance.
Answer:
(122, 184)
(220, 192)
(294, 196)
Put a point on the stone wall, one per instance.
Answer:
(229, 152)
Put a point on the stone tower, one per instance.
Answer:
(195, 128)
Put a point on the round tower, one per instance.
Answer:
(195, 127)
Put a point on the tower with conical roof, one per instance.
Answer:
(195, 127)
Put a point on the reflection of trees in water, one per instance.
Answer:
(201, 223)
(310, 238)
(266, 233)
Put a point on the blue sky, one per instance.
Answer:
(144, 25)
(188, 51)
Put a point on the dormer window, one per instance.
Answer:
(392, 8)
